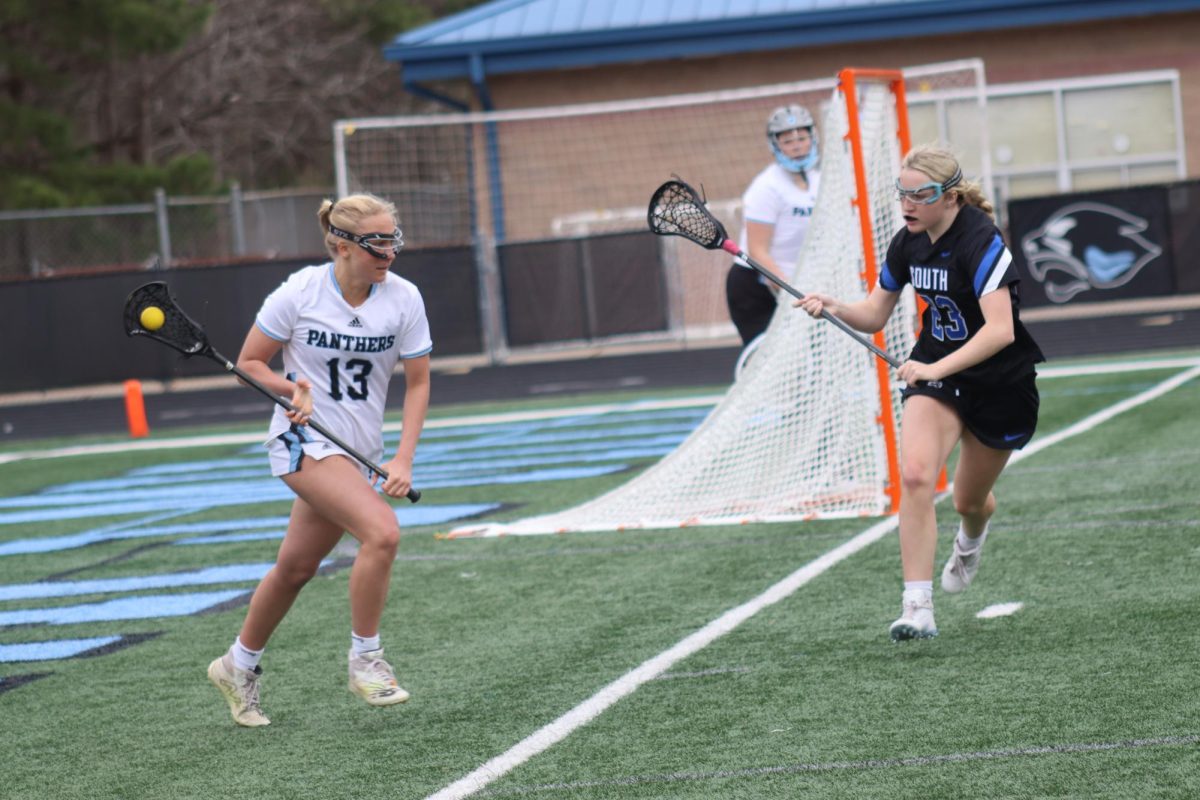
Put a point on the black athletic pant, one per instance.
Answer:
(751, 304)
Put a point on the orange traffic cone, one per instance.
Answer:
(135, 409)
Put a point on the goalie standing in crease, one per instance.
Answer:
(342, 326)
(970, 378)
(777, 208)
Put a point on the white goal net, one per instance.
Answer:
(808, 429)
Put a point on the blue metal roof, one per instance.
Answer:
(508, 36)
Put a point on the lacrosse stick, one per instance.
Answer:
(180, 332)
(677, 210)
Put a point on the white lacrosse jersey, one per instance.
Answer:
(347, 353)
(773, 198)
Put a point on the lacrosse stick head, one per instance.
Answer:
(177, 330)
(677, 210)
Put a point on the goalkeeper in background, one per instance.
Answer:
(777, 208)
(970, 378)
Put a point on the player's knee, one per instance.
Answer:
(383, 536)
(974, 505)
(293, 575)
(917, 478)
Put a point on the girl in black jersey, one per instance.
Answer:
(970, 376)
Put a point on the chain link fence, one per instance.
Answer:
(170, 232)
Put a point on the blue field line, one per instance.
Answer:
(610, 419)
(145, 607)
(575, 428)
(561, 437)
(200, 477)
(189, 498)
(52, 544)
(429, 459)
(426, 472)
(253, 465)
(408, 517)
(269, 492)
(260, 458)
(53, 650)
(227, 538)
(536, 476)
(254, 491)
(435, 456)
(102, 510)
(232, 573)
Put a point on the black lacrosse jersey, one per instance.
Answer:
(950, 275)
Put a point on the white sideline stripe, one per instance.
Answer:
(1102, 368)
(591, 708)
(1000, 610)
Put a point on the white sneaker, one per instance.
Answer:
(239, 687)
(916, 621)
(960, 569)
(372, 679)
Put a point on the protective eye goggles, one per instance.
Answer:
(928, 193)
(380, 245)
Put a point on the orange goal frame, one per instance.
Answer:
(848, 80)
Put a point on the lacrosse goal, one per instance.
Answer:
(809, 428)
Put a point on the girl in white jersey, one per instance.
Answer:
(341, 327)
(777, 208)
(971, 376)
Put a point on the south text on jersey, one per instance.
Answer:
(933, 278)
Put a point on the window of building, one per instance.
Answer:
(1064, 135)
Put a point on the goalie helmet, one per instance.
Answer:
(790, 118)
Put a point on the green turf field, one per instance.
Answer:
(552, 659)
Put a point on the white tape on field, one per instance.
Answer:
(628, 683)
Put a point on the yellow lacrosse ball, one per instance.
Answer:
(152, 318)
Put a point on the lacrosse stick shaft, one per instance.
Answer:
(732, 248)
(413, 494)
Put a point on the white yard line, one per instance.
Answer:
(628, 683)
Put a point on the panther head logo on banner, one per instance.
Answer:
(1087, 246)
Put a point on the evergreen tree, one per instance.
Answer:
(48, 45)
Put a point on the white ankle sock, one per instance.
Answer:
(966, 543)
(363, 644)
(918, 591)
(243, 657)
